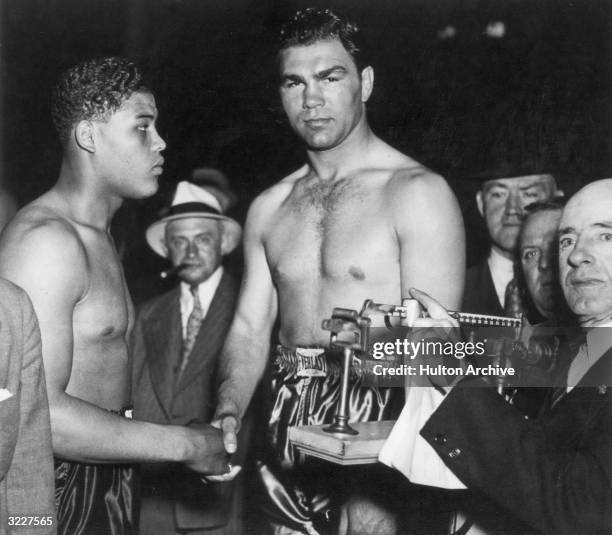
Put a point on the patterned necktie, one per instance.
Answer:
(193, 328)
(513, 304)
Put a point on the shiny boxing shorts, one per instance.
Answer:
(96, 499)
(305, 389)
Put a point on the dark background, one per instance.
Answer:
(539, 93)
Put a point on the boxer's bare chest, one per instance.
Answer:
(105, 313)
(329, 230)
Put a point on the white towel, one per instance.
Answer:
(408, 452)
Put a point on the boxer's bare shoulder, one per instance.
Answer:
(420, 191)
(263, 211)
(402, 172)
(415, 179)
(38, 245)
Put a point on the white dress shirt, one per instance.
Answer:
(206, 291)
(502, 272)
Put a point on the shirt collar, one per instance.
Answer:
(500, 263)
(206, 292)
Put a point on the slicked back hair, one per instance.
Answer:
(312, 24)
(93, 90)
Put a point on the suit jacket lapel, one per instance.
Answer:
(212, 333)
(595, 383)
(600, 374)
(164, 340)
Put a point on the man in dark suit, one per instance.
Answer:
(551, 474)
(176, 343)
(26, 459)
(501, 199)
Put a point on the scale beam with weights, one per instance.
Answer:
(359, 443)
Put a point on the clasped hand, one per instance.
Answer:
(211, 458)
(227, 429)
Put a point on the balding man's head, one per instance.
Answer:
(585, 253)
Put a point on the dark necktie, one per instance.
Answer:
(578, 350)
(191, 332)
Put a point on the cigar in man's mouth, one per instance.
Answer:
(172, 271)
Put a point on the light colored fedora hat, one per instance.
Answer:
(193, 201)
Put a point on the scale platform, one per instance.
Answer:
(339, 448)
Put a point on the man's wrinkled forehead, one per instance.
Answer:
(321, 52)
(544, 181)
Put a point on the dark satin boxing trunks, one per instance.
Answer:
(95, 499)
(305, 388)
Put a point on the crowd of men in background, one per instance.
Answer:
(140, 421)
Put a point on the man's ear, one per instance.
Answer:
(367, 83)
(480, 203)
(84, 136)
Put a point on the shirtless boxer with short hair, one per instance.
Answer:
(59, 249)
(358, 221)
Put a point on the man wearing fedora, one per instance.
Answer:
(503, 194)
(176, 344)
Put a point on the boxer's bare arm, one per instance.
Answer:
(431, 236)
(49, 262)
(247, 348)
